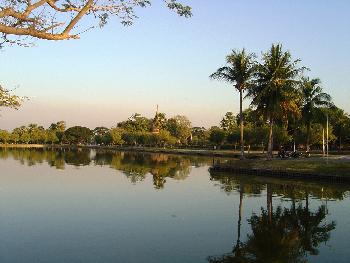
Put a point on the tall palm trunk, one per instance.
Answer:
(308, 131)
(241, 120)
(270, 145)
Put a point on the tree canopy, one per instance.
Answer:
(274, 93)
(239, 72)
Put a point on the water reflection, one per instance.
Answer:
(275, 220)
(135, 166)
(281, 234)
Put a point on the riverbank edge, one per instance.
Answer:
(219, 167)
(275, 173)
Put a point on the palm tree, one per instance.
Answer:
(239, 71)
(274, 91)
(312, 99)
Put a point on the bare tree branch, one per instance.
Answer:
(58, 19)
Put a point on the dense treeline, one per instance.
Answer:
(178, 131)
(286, 108)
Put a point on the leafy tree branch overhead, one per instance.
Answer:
(9, 100)
(58, 19)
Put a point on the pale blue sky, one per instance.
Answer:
(163, 59)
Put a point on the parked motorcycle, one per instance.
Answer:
(284, 154)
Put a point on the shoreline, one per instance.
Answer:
(332, 169)
(281, 174)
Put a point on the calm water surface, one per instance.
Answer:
(87, 206)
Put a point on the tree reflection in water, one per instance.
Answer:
(277, 234)
(136, 166)
(280, 234)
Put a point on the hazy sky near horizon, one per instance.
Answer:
(164, 59)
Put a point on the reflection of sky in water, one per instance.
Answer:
(95, 214)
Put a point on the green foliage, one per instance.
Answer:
(274, 94)
(14, 138)
(252, 116)
(101, 135)
(159, 121)
(234, 136)
(312, 99)
(51, 137)
(180, 128)
(217, 135)
(77, 135)
(200, 136)
(281, 136)
(9, 100)
(178, 131)
(315, 135)
(240, 69)
(228, 123)
(340, 121)
(116, 136)
(36, 133)
(4, 136)
(58, 128)
(25, 137)
(130, 138)
(164, 138)
(136, 123)
(276, 82)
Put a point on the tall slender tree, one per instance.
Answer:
(275, 85)
(239, 71)
(312, 99)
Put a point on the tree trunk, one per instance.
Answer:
(308, 130)
(241, 120)
(270, 145)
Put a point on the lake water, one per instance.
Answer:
(87, 206)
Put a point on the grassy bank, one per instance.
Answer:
(332, 166)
